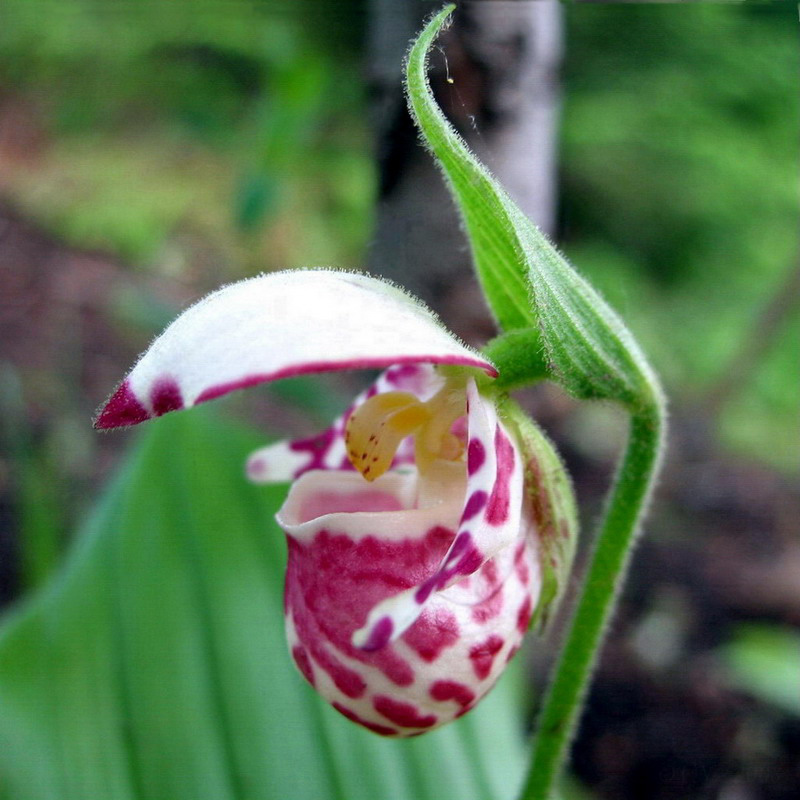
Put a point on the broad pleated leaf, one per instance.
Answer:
(154, 667)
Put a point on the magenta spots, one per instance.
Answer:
(165, 396)
(256, 467)
(476, 455)
(498, 505)
(490, 575)
(303, 664)
(316, 447)
(524, 615)
(432, 633)
(452, 690)
(381, 730)
(122, 409)
(462, 547)
(521, 564)
(482, 655)
(403, 714)
(460, 429)
(477, 500)
(333, 582)
(463, 559)
(346, 680)
(492, 604)
(400, 376)
(470, 561)
(379, 636)
(462, 543)
(425, 590)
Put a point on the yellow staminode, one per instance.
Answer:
(376, 428)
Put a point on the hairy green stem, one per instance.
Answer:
(564, 699)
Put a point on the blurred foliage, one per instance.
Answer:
(238, 124)
(39, 492)
(679, 168)
(764, 661)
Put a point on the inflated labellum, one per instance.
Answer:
(422, 525)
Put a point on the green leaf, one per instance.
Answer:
(155, 666)
(527, 282)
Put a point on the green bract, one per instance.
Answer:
(555, 322)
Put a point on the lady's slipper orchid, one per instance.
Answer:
(415, 552)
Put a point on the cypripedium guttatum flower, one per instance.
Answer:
(420, 525)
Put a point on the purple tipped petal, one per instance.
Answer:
(123, 408)
(277, 326)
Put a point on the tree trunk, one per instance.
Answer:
(502, 57)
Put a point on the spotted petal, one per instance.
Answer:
(277, 326)
(490, 522)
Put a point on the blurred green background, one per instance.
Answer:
(150, 152)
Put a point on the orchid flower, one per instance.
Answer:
(416, 556)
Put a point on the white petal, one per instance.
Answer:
(288, 460)
(276, 326)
